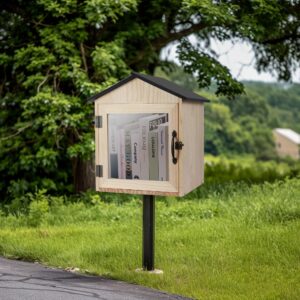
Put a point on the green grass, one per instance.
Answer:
(242, 243)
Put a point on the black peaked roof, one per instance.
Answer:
(161, 83)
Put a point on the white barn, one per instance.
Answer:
(287, 142)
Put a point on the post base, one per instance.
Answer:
(155, 271)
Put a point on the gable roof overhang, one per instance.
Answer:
(158, 82)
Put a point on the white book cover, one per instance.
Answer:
(128, 155)
(153, 155)
(135, 154)
(147, 124)
(121, 154)
(163, 141)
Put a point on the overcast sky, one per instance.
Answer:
(238, 58)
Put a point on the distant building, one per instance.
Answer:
(287, 142)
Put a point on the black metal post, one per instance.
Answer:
(148, 232)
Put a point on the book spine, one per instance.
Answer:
(135, 155)
(121, 155)
(163, 152)
(113, 152)
(128, 164)
(144, 157)
(153, 155)
(148, 124)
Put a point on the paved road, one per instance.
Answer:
(31, 281)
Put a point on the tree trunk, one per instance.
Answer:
(83, 174)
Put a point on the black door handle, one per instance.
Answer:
(175, 145)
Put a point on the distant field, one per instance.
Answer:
(240, 242)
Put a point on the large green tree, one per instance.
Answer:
(54, 54)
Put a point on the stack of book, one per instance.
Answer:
(139, 149)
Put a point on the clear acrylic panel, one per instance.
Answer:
(138, 146)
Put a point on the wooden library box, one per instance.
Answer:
(149, 135)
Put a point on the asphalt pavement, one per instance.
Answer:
(21, 280)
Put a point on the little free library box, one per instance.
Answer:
(149, 137)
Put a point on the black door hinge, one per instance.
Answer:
(99, 171)
(98, 121)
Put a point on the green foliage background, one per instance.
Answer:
(234, 242)
(235, 236)
(54, 55)
(244, 125)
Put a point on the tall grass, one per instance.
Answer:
(239, 242)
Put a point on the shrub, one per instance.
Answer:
(38, 208)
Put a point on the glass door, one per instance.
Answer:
(134, 147)
(138, 146)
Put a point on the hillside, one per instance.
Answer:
(283, 100)
(244, 125)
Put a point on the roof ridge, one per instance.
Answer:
(158, 82)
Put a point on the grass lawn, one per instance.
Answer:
(243, 243)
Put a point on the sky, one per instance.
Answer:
(238, 57)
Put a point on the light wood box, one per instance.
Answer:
(146, 94)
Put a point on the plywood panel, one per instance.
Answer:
(169, 187)
(138, 192)
(191, 157)
(144, 186)
(97, 143)
(138, 91)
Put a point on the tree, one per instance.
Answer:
(222, 133)
(283, 100)
(54, 54)
(176, 74)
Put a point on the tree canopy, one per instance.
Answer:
(54, 54)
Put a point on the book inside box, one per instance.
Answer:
(138, 146)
